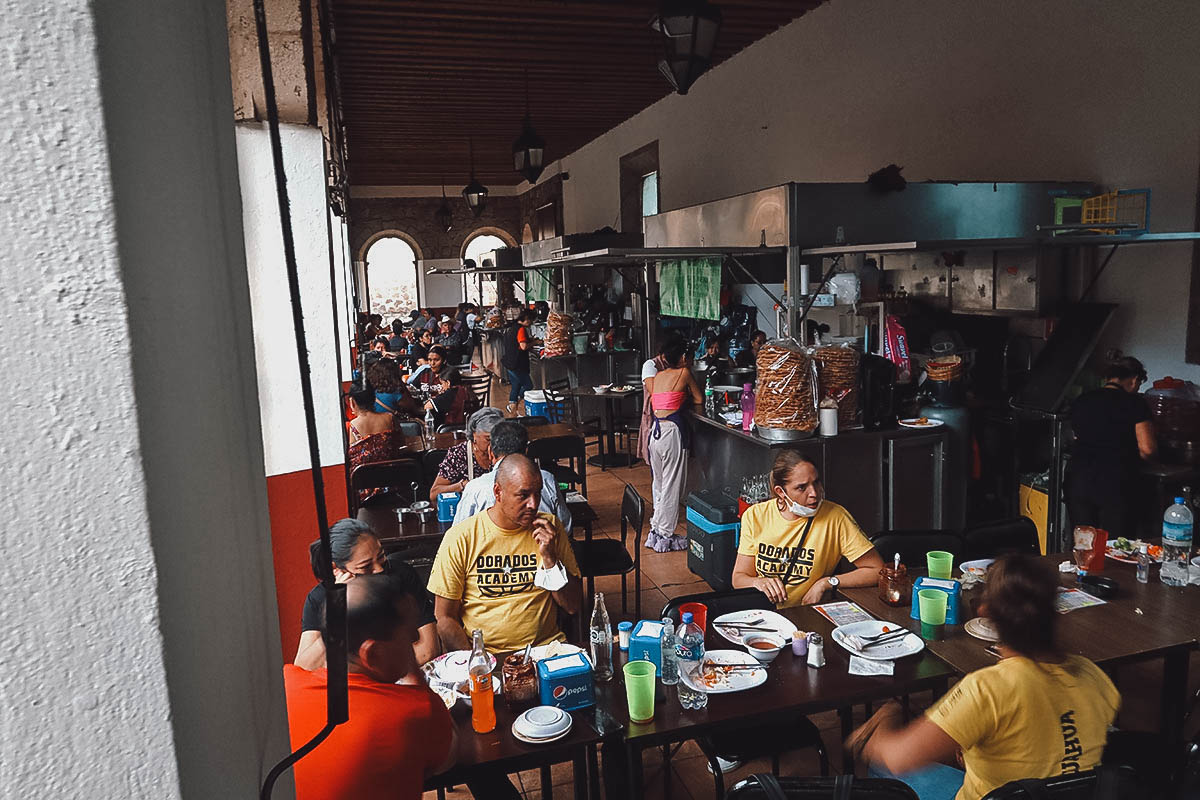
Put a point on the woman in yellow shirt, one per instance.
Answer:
(1039, 713)
(791, 544)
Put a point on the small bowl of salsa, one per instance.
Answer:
(764, 646)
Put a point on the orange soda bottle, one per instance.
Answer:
(483, 710)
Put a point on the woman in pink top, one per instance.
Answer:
(674, 390)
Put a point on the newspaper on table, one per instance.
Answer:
(842, 612)
(1071, 599)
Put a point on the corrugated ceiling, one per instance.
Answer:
(419, 78)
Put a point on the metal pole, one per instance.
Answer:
(796, 275)
(1054, 536)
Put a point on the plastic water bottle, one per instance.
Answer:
(429, 423)
(747, 405)
(670, 667)
(601, 641)
(710, 403)
(1176, 544)
(689, 652)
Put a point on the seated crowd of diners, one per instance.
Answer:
(506, 567)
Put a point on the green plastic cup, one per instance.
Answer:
(639, 690)
(931, 604)
(940, 563)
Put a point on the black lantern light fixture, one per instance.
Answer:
(529, 150)
(686, 32)
(444, 217)
(475, 193)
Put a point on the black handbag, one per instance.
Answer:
(766, 786)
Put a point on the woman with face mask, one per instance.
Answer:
(791, 543)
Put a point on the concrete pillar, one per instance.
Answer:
(140, 616)
(285, 446)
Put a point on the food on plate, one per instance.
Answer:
(921, 421)
(622, 388)
(1128, 548)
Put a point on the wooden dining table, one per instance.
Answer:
(792, 687)
(1141, 622)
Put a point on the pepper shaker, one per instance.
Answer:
(816, 650)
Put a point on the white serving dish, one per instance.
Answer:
(897, 648)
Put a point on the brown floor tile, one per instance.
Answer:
(652, 604)
(560, 774)
(667, 568)
(673, 590)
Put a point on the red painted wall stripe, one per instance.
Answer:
(293, 527)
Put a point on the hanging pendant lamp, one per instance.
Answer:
(529, 149)
(475, 193)
(444, 216)
(686, 35)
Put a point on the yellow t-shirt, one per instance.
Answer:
(491, 570)
(1024, 719)
(771, 541)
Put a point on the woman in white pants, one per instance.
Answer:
(669, 442)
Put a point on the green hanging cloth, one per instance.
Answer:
(690, 287)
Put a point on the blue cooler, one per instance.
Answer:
(447, 505)
(645, 643)
(712, 547)
(535, 403)
(951, 587)
(566, 682)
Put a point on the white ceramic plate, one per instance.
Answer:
(897, 648)
(978, 567)
(980, 629)
(912, 423)
(727, 388)
(736, 681)
(772, 623)
(522, 738)
(452, 667)
(542, 722)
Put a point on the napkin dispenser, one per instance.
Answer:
(645, 644)
(950, 587)
(566, 682)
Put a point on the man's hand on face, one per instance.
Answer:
(543, 534)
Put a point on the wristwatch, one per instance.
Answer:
(833, 581)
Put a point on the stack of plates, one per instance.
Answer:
(542, 724)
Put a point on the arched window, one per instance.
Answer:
(475, 246)
(392, 277)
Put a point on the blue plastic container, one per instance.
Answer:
(447, 505)
(566, 682)
(645, 643)
(950, 587)
(535, 403)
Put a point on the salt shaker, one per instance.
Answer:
(816, 650)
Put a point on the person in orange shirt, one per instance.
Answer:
(397, 735)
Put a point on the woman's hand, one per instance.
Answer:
(816, 592)
(772, 588)
(342, 576)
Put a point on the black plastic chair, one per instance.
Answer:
(611, 557)
(752, 741)
(533, 422)
(912, 545)
(549, 450)
(408, 427)
(479, 391)
(1104, 783)
(768, 787)
(395, 477)
(992, 539)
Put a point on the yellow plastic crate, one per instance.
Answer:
(1129, 207)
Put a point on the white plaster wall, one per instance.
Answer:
(139, 660)
(341, 261)
(1107, 90)
(285, 444)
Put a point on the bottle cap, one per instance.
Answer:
(686, 618)
(1179, 501)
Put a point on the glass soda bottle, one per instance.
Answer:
(600, 637)
(689, 653)
(483, 712)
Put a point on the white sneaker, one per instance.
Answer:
(725, 765)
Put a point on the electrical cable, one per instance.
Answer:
(337, 710)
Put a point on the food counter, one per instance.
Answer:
(892, 479)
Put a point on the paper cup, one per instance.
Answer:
(940, 563)
(639, 690)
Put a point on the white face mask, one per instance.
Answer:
(801, 510)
